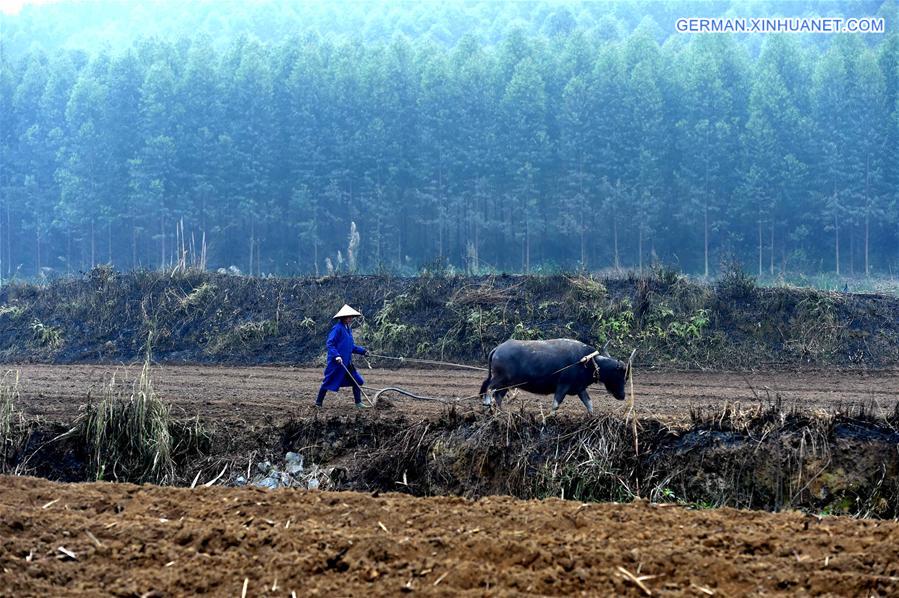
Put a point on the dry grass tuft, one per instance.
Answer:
(485, 293)
(14, 429)
(133, 436)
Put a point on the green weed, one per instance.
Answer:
(199, 296)
(525, 333)
(11, 311)
(46, 336)
(389, 332)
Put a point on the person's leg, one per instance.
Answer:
(350, 379)
(321, 396)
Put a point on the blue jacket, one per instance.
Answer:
(340, 343)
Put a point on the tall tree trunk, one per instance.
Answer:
(8, 243)
(399, 233)
(783, 256)
(93, 245)
(771, 263)
(867, 214)
(315, 257)
(705, 206)
(580, 183)
(527, 243)
(615, 242)
(252, 241)
(68, 248)
(477, 240)
(377, 240)
(836, 244)
(867, 233)
(203, 212)
(760, 247)
(37, 236)
(706, 229)
(583, 247)
(109, 241)
(161, 241)
(640, 246)
(440, 217)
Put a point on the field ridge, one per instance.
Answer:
(200, 317)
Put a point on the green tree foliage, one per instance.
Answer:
(485, 135)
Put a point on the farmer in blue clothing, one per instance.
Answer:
(340, 370)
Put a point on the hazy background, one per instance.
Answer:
(481, 136)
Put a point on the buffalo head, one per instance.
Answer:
(613, 373)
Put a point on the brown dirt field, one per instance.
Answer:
(154, 541)
(279, 392)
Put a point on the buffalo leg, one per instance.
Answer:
(561, 391)
(498, 398)
(586, 400)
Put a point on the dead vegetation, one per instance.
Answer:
(133, 436)
(669, 318)
(483, 293)
(764, 456)
(15, 429)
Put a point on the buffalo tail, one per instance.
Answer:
(486, 382)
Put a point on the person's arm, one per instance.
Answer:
(359, 350)
(333, 339)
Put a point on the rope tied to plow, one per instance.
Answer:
(427, 361)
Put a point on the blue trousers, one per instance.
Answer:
(347, 381)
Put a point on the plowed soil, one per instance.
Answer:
(127, 540)
(256, 393)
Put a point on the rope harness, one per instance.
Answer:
(428, 362)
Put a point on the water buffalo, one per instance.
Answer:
(560, 366)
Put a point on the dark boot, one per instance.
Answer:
(321, 396)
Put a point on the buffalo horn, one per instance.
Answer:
(605, 348)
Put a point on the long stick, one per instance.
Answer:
(356, 384)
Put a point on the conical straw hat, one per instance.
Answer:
(345, 311)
